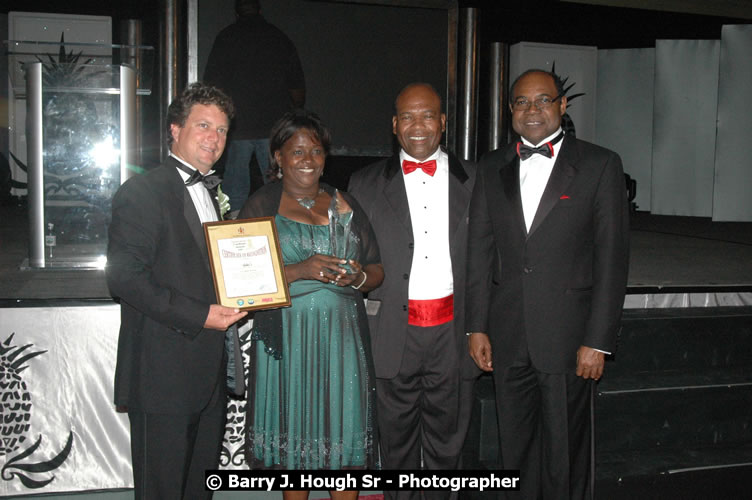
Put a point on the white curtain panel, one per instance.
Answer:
(624, 113)
(732, 200)
(684, 128)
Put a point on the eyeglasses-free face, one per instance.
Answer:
(419, 122)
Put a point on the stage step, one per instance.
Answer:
(678, 419)
(674, 408)
(726, 474)
(688, 340)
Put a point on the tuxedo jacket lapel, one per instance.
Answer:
(561, 176)
(510, 180)
(215, 204)
(459, 194)
(180, 192)
(234, 372)
(396, 194)
(194, 223)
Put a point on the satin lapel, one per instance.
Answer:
(182, 197)
(459, 195)
(396, 195)
(561, 176)
(194, 224)
(510, 181)
(215, 204)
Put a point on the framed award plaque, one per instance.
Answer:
(246, 263)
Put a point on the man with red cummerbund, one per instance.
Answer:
(417, 202)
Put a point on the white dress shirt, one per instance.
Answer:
(200, 195)
(534, 174)
(428, 197)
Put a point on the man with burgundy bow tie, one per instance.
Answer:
(417, 202)
(171, 371)
(547, 272)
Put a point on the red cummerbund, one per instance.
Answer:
(430, 312)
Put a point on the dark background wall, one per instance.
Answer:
(355, 58)
(606, 27)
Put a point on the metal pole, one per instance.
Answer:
(35, 162)
(170, 73)
(133, 37)
(192, 41)
(450, 135)
(127, 121)
(496, 135)
(468, 109)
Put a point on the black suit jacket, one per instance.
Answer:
(157, 265)
(380, 190)
(562, 284)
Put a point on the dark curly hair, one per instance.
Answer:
(289, 124)
(196, 93)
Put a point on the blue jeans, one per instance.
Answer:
(237, 179)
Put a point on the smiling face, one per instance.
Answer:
(301, 159)
(201, 140)
(419, 121)
(532, 123)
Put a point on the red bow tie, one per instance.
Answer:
(428, 167)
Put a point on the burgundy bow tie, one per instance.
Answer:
(428, 167)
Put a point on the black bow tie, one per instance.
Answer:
(547, 149)
(211, 181)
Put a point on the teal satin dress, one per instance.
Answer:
(313, 408)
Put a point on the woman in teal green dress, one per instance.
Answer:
(311, 389)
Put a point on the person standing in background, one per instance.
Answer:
(257, 65)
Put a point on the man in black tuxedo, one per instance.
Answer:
(547, 272)
(171, 361)
(417, 202)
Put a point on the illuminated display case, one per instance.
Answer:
(82, 142)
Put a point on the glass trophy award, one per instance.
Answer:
(340, 218)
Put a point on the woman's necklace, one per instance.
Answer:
(309, 203)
